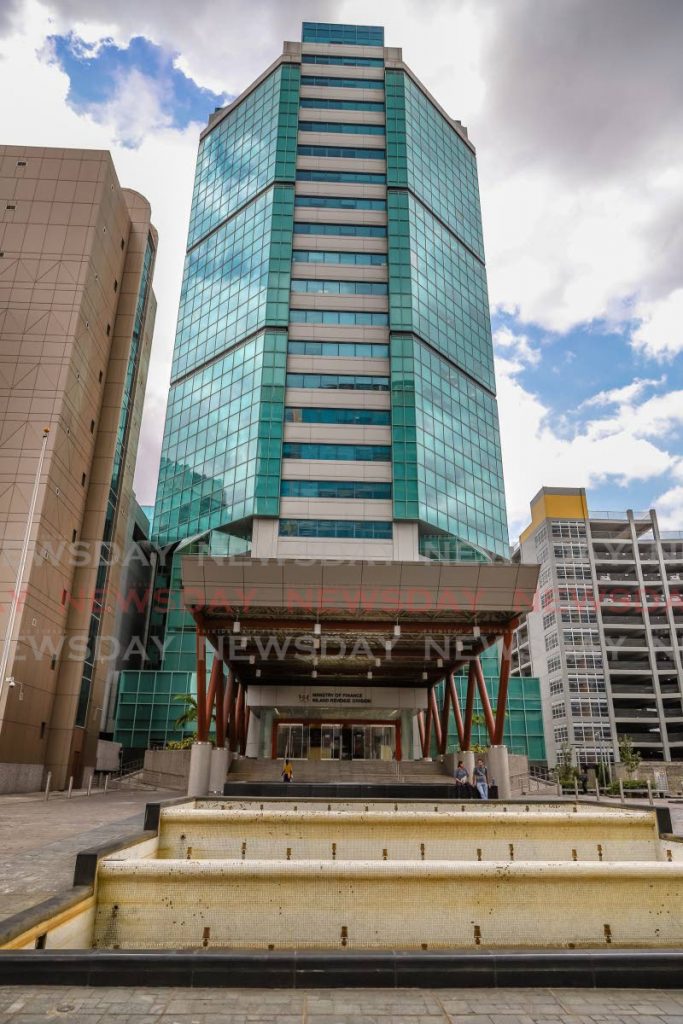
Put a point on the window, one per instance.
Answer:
(541, 536)
(342, 83)
(545, 576)
(341, 129)
(358, 259)
(554, 663)
(342, 452)
(341, 202)
(364, 350)
(581, 638)
(340, 287)
(346, 35)
(335, 528)
(337, 381)
(340, 317)
(365, 490)
(551, 640)
(348, 177)
(583, 660)
(353, 230)
(559, 710)
(342, 152)
(591, 733)
(556, 686)
(579, 616)
(568, 529)
(549, 620)
(325, 104)
(333, 58)
(364, 417)
(561, 734)
(542, 554)
(586, 684)
(589, 707)
(547, 598)
(574, 572)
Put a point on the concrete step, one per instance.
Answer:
(267, 770)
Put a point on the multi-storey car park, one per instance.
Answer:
(606, 635)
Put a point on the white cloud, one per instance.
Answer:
(134, 110)
(660, 334)
(629, 445)
(624, 395)
(517, 348)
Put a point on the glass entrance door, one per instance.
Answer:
(330, 742)
(292, 741)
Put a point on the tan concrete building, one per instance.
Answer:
(76, 318)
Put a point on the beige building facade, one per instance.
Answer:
(76, 319)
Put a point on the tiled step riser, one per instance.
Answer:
(242, 905)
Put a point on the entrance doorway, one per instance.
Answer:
(337, 741)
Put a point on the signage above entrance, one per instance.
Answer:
(405, 698)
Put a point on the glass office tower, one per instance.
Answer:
(332, 392)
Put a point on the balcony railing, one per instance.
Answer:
(618, 516)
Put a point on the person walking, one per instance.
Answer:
(583, 779)
(287, 771)
(481, 779)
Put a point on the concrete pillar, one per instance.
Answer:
(499, 771)
(417, 745)
(251, 748)
(407, 752)
(200, 767)
(467, 758)
(218, 769)
(265, 746)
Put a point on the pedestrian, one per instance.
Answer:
(481, 779)
(583, 779)
(287, 771)
(461, 776)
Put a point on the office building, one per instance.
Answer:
(332, 393)
(76, 318)
(606, 635)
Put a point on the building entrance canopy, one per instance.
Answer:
(329, 626)
(404, 622)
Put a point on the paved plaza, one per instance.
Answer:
(39, 841)
(340, 1006)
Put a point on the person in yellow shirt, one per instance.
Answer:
(287, 771)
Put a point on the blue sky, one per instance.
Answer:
(97, 70)
(581, 181)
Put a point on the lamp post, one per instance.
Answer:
(16, 597)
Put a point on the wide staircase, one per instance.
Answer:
(250, 769)
(283, 874)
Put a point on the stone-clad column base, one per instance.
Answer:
(467, 758)
(200, 767)
(499, 771)
(218, 769)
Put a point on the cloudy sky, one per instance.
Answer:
(576, 109)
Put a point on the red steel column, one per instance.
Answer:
(202, 731)
(503, 688)
(457, 713)
(484, 697)
(469, 706)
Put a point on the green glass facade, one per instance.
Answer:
(446, 446)
(523, 732)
